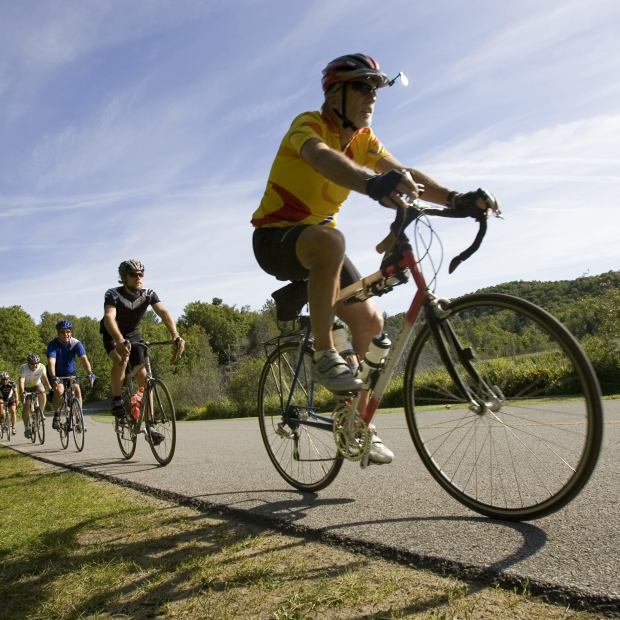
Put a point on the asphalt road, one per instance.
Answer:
(398, 507)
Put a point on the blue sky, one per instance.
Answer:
(147, 128)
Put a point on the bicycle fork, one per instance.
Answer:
(485, 398)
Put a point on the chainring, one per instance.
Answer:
(351, 434)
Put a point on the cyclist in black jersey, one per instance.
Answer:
(124, 308)
(8, 398)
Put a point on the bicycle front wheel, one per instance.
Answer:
(160, 419)
(503, 406)
(77, 424)
(295, 422)
(40, 426)
(63, 427)
(124, 429)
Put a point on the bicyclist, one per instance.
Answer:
(8, 399)
(124, 307)
(323, 156)
(61, 354)
(33, 380)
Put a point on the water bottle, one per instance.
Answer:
(136, 402)
(377, 352)
(343, 345)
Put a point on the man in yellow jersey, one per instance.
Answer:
(323, 156)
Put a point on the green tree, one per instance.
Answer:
(18, 336)
(228, 327)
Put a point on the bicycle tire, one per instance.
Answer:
(4, 428)
(77, 425)
(63, 425)
(159, 414)
(39, 426)
(125, 432)
(536, 442)
(305, 456)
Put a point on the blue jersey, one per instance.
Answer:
(65, 355)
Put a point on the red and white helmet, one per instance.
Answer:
(353, 67)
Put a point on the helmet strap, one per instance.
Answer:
(346, 122)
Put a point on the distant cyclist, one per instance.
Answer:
(33, 380)
(61, 354)
(8, 399)
(124, 308)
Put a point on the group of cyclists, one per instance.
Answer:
(323, 156)
(124, 308)
(42, 382)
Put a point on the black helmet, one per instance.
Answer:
(129, 266)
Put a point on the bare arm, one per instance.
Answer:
(162, 312)
(51, 366)
(109, 321)
(86, 363)
(46, 382)
(335, 166)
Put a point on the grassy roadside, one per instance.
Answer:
(73, 547)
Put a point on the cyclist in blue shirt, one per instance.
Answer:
(61, 354)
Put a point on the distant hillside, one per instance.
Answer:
(588, 306)
(552, 295)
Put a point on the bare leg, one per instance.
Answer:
(365, 322)
(117, 376)
(42, 400)
(321, 251)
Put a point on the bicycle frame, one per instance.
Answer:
(379, 283)
(149, 375)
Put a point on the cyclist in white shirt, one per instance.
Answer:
(33, 380)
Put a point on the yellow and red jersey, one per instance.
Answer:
(296, 193)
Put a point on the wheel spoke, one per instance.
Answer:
(529, 447)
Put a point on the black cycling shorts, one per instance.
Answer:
(136, 355)
(274, 249)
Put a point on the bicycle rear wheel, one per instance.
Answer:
(77, 424)
(160, 417)
(63, 425)
(39, 426)
(523, 437)
(298, 437)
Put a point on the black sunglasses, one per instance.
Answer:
(363, 87)
(136, 274)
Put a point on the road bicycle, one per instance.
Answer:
(36, 419)
(502, 404)
(156, 419)
(5, 422)
(71, 417)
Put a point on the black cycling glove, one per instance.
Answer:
(382, 185)
(479, 198)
